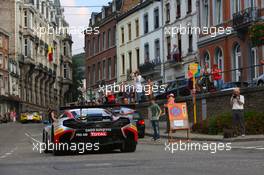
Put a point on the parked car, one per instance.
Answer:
(231, 85)
(260, 80)
(178, 88)
(135, 117)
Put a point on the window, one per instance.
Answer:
(138, 58)
(37, 4)
(64, 49)
(99, 71)
(129, 31)
(218, 12)
(205, 13)
(115, 67)
(190, 39)
(122, 35)
(168, 39)
(104, 70)
(157, 51)
(167, 12)
(1, 60)
(42, 7)
(156, 18)
(179, 43)
(235, 6)
(65, 73)
(98, 43)
(146, 52)
(109, 69)
(109, 38)
(123, 64)
(146, 24)
(189, 6)
(114, 36)
(236, 62)
(1, 41)
(94, 46)
(26, 47)
(130, 61)
(178, 4)
(94, 75)
(104, 41)
(206, 60)
(219, 59)
(25, 19)
(255, 63)
(137, 27)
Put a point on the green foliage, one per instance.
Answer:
(254, 123)
(77, 76)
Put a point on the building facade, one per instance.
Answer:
(139, 42)
(4, 73)
(179, 18)
(234, 52)
(40, 53)
(100, 48)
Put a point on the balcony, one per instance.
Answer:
(175, 61)
(150, 68)
(242, 19)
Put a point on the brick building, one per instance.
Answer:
(100, 47)
(231, 51)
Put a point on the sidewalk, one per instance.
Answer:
(200, 137)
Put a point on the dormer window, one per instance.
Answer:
(103, 13)
(114, 6)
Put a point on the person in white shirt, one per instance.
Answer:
(237, 102)
(138, 86)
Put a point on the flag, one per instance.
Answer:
(50, 54)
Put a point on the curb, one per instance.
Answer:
(211, 139)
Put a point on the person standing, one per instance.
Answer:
(138, 86)
(217, 77)
(171, 100)
(237, 101)
(155, 113)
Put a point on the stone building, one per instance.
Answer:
(38, 29)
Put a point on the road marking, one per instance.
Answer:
(96, 165)
(248, 147)
(8, 153)
(28, 135)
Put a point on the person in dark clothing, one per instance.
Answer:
(52, 116)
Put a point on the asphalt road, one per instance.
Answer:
(18, 158)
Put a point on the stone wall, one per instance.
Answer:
(216, 103)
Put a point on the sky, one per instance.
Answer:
(79, 18)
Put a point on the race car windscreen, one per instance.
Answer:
(92, 114)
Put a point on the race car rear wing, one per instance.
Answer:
(132, 106)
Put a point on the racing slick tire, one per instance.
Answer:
(45, 141)
(129, 145)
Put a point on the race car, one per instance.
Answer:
(30, 117)
(97, 127)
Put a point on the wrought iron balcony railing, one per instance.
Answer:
(245, 17)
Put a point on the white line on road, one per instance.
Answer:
(248, 147)
(28, 135)
(8, 153)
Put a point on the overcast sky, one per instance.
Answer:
(79, 17)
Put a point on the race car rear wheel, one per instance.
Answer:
(129, 145)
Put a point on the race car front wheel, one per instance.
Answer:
(129, 145)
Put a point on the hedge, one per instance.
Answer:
(254, 123)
